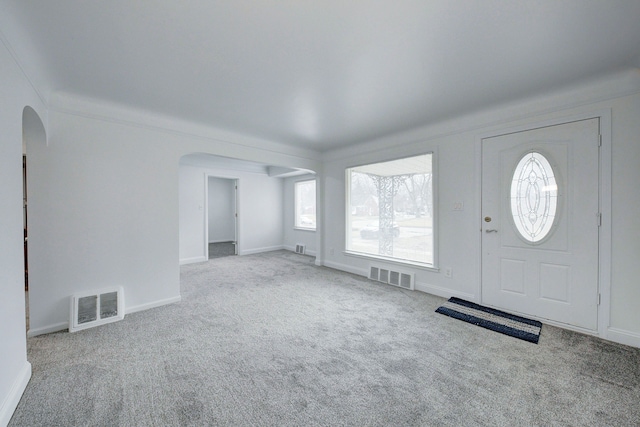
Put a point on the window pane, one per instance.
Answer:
(390, 209)
(305, 201)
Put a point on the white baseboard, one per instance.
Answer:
(623, 337)
(422, 287)
(193, 260)
(306, 252)
(348, 268)
(443, 292)
(10, 402)
(65, 325)
(153, 304)
(260, 250)
(56, 327)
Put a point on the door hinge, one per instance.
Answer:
(599, 219)
(599, 140)
(599, 299)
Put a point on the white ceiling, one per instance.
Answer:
(318, 74)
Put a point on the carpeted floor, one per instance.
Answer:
(273, 340)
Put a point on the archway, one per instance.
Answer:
(258, 197)
(33, 132)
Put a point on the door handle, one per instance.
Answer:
(493, 230)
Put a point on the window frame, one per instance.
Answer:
(433, 266)
(295, 205)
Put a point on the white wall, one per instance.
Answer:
(293, 236)
(104, 204)
(192, 215)
(15, 94)
(455, 177)
(456, 144)
(259, 211)
(222, 209)
(102, 213)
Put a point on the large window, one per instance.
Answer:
(305, 201)
(390, 210)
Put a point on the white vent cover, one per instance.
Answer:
(89, 309)
(300, 249)
(392, 277)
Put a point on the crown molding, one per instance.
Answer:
(75, 105)
(16, 60)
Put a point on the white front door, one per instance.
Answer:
(540, 222)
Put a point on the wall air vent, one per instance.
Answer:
(392, 277)
(300, 249)
(89, 309)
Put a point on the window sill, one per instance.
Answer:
(313, 230)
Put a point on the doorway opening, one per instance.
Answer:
(24, 220)
(25, 234)
(221, 229)
(33, 137)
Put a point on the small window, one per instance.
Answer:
(390, 210)
(534, 197)
(305, 203)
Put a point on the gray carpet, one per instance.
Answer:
(221, 249)
(273, 340)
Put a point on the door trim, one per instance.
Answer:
(236, 204)
(605, 187)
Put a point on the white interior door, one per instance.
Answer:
(540, 220)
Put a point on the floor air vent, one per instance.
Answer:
(392, 277)
(300, 249)
(91, 309)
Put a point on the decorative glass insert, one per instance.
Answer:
(534, 197)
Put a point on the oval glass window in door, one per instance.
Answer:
(534, 197)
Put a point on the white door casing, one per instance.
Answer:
(555, 278)
(230, 215)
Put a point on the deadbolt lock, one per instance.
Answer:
(487, 219)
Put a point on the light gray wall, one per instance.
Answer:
(456, 144)
(222, 209)
(103, 212)
(16, 94)
(259, 211)
(293, 236)
(104, 204)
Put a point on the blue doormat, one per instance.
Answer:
(495, 320)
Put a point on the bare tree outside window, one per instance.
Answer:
(305, 204)
(390, 209)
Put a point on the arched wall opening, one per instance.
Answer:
(33, 133)
(262, 204)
